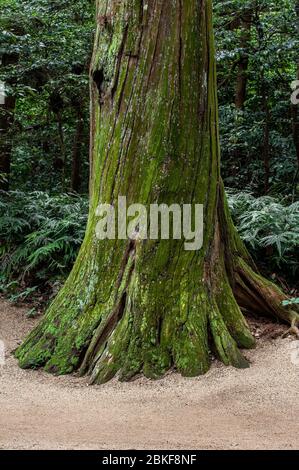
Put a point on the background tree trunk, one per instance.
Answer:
(6, 124)
(146, 306)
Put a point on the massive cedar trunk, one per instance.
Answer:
(147, 306)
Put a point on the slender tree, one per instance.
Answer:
(147, 306)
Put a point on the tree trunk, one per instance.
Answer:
(265, 107)
(295, 118)
(147, 306)
(6, 123)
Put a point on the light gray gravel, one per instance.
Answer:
(255, 408)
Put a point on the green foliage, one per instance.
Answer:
(51, 40)
(40, 237)
(32, 313)
(270, 228)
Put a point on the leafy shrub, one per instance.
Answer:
(270, 229)
(39, 237)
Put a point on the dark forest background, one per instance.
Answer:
(45, 50)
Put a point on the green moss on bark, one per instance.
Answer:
(150, 306)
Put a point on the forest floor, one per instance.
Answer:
(256, 408)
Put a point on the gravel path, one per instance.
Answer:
(255, 408)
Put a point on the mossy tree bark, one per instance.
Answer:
(146, 306)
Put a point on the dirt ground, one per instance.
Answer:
(255, 408)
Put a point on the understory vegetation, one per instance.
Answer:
(40, 237)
